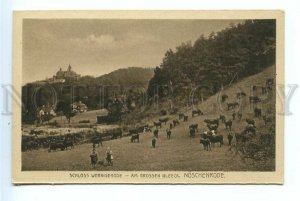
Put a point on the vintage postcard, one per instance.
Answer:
(157, 97)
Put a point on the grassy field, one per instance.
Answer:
(179, 153)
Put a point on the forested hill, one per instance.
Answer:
(132, 76)
(128, 77)
(243, 50)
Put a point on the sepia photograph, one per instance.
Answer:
(148, 97)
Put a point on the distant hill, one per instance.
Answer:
(128, 76)
(124, 77)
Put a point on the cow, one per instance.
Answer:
(222, 118)
(213, 121)
(216, 139)
(180, 116)
(164, 120)
(155, 133)
(250, 129)
(232, 105)
(192, 132)
(212, 126)
(223, 98)
(56, 145)
(250, 121)
(168, 134)
(116, 134)
(157, 124)
(197, 112)
(175, 122)
(135, 137)
(96, 140)
(194, 126)
(228, 124)
(206, 143)
(68, 143)
(257, 112)
(185, 118)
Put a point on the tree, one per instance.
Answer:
(66, 109)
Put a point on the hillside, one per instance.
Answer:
(180, 152)
(128, 77)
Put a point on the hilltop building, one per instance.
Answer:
(68, 75)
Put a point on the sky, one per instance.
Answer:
(99, 46)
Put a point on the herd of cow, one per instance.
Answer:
(211, 136)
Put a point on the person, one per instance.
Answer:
(153, 142)
(94, 158)
(109, 157)
(230, 137)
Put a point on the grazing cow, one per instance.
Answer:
(240, 95)
(168, 134)
(229, 137)
(228, 124)
(68, 143)
(197, 112)
(206, 143)
(153, 142)
(194, 126)
(180, 116)
(268, 119)
(157, 124)
(164, 120)
(257, 112)
(155, 133)
(250, 129)
(212, 126)
(250, 121)
(223, 98)
(213, 121)
(222, 118)
(233, 116)
(185, 118)
(239, 116)
(135, 137)
(254, 99)
(175, 122)
(232, 105)
(192, 132)
(56, 145)
(96, 140)
(216, 139)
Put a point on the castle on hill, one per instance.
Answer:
(67, 75)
